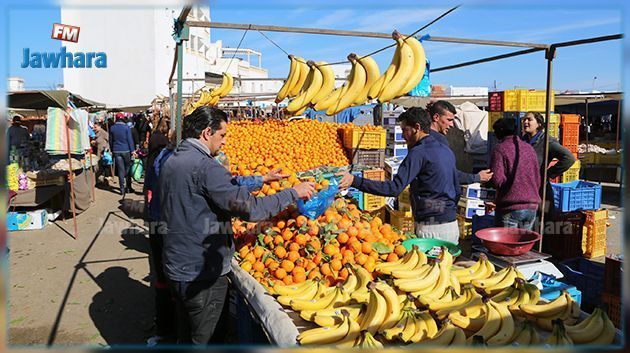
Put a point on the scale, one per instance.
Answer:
(527, 263)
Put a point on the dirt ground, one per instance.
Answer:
(95, 290)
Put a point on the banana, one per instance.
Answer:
(505, 333)
(291, 289)
(507, 295)
(367, 341)
(492, 323)
(307, 293)
(430, 323)
(467, 322)
(445, 276)
(331, 320)
(454, 282)
(461, 272)
(328, 81)
(407, 263)
(569, 315)
(420, 285)
(335, 95)
(353, 309)
(218, 91)
(330, 334)
(376, 312)
(230, 84)
(482, 269)
(337, 297)
(587, 332)
(384, 79)
(350, 284)
(534, 293)
(409, 329)
(360, 294)
(301, 74)
(607, 335)
(445, 335)
(393, 305)
(507, 281)
(551, 309)
(304, 98)
(492, 280)
(402, 74)
(460, 337)
(469, 298)
(526, 335)
(372, 74)
(558, 335)
(419, 64)
(421, 331)
(395, 330)
(290, 81)
(417, 272)
(354, 88)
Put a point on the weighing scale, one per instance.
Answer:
(527, 263)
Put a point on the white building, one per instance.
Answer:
(140, 50)
(15, 84)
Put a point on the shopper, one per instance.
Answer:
(534, 133)
(442, 116)
(122, 146)
(430, 169)
(515, 177)
(17, 134)
(198, 199)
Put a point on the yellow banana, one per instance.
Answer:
(492, 323)
(607, 335)
(421, 331)
(353, 309)
(408, 264)
(377, 311)
(230, 84)
(357, 83)
(291, 289)
(419, 64)
(551, 309)
(506, 331)
(430, 323)
(393, 305)
(395, 330)
(351, 282)
(409, 329)
(445, 335)
(558, 335)
(460, 337)
(384, 79)
(337, 297)
(417, 272)
(588, 333)
(402, 74)
(418, 286)
(307, 293)
(304, 98)
(471, 323)
(292, 78)
(454, 282)
(328, 334)
(372, 74)
(507, 281)
(492, 280)
(302, 73)
(335, 95)
(328, 81)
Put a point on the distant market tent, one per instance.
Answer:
(42, 99)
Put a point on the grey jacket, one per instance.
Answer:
(198, 199)
(556, 150)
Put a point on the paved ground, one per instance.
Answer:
(94, 290)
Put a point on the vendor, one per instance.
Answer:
(430, 169)
(534, 134)
(442, 116)
(17, 134)
(516, 178)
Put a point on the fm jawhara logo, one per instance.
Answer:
(63, 58)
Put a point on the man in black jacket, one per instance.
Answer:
(198, 200)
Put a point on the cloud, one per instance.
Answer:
(381, 21)
(334, 19)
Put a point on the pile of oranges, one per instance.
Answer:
(255, 147)
(292, 248)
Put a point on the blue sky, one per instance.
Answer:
(574, 68)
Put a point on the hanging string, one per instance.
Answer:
(237, 48)
(372, 53)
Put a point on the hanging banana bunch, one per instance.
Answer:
(404, 72)
(312, 85)
(212, 97)
(295, 80)
(355, 86)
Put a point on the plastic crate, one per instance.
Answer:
(563, 235)
(404, 196)
(577, 195)
(374, 174)
(594, 233)
(595, 216)
(514, 100)
(554, 118)
(613, 276)
(398, 150)
(465, 227)
(554, 130)
(402, 220)
(552, 290)
(573, 173)
(372, 202)
(587, 276)
(492, 117)
(570, 119)
(608, 158)
(495, 101)
(370, 158)
(570, 135)
(612, 304)
(356, 138)
(536, 100)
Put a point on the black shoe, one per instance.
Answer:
(131, 190)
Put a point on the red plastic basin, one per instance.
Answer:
(508, 241)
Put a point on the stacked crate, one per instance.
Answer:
(563, 235)
(365, 201)
(399, 213)
(570, 132)
(396, 145)
(573, 173)
(471, 204)
(611, 296)
(594, 233)
(365, 147)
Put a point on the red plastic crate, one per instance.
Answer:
(612, 304)
(570, 119)
(563, 235)
(495, 101)
(613, 276)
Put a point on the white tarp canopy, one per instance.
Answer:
(474, 122)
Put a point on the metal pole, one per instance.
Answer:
(549, 55)
(587, 128)
(618, 123)
(71, 176)
(180, 72)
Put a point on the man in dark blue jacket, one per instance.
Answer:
(430, 169)
(198, 199)
(122, 146)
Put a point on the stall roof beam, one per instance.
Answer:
(337, 32)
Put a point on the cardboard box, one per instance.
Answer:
(29, 220)
(391, 167)
(398, 150)
(394, 134)
(476, 191)
(470, 207)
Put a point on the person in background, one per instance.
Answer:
(17, 135)
(101, 144)
(198, 199)
(442, 115)
(122, 146)
(430, 169)
(515, 177)
(534, 133)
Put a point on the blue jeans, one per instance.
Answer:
(123, 163)
(523, 219)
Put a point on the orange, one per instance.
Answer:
(278, 240)
(294, 247)
(287, 265)
(267, 239)
(258, 266)
(287, 234)
(353, 232)
(288, 280)
(300, 239)
(280, 252)
(391, 257)
(280, 273)
(335, 265)
(299, 277)
(258, 252)
(300, 221)
(313, 230)
(325, 269)
(246, 266)
(330, 249)
(342, 238)
(361, 259)
(273, 265)
(293, 255)
(366, 247)
(314, 273)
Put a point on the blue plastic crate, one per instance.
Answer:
(553, 291)
(577, 195)
(587, 276)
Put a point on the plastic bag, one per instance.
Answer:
(320, 202)
(136, 169)
(107, 158)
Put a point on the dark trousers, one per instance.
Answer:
(123, 164)
(165, 313)
(201, 310)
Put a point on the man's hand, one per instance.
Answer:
(274, 175)
(305, 190)
(485, 175)
(346, 180)
(490, 206)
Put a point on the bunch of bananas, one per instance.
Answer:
(413, 326)
(366, 340)
(453, 303)
(212, 97)
(347, 331)
(448, 335)
(498, 325)
(558, 335)
(595, 329)
(519, 293)
(482, 269)
(498, 281)
(311, 84)
(525, 334)
(431, 280)
(563, 307)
